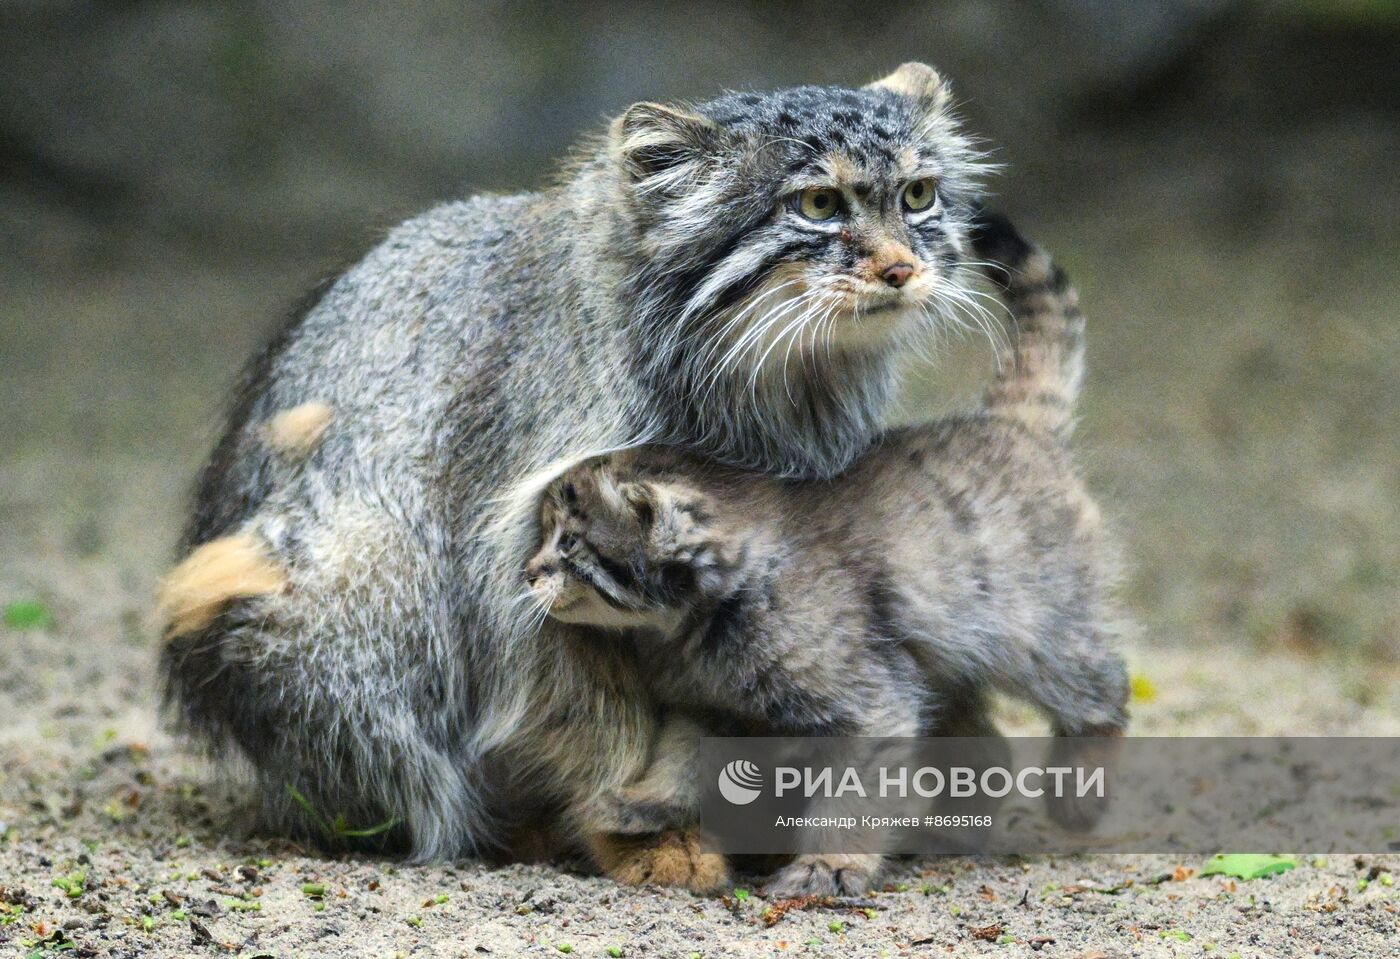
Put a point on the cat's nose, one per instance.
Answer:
(537, 571)
(897, 274)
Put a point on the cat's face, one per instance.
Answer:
(811, 219)
(621, 551)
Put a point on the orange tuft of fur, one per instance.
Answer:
(211, 577)
(663, 859)
(295, 432)
(841, 168)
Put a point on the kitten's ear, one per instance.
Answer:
(651, 140)
(643, 501)
(919, 81)
(658, 504)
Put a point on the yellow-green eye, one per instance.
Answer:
(819, 202)
(919, 195)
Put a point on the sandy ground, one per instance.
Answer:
(91, 789)
(1248, 455)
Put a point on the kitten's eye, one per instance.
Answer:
(568, 544)
(819, 203)
(919, 195)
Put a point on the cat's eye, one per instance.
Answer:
(919, 195)
(819, 203)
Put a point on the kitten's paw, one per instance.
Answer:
(635, 812)
(673, 858)
(845, 875)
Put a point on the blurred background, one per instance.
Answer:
(1219, 176)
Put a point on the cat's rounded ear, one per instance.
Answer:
(919, 81)
(656, 142)
(643, 501)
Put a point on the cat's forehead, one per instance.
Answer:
(874, 128)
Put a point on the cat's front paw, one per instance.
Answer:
(1097, 748)
(673, 858)
(836, 875)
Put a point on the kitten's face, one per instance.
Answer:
(619, 551)
(809, 219)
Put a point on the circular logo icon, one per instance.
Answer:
(740, 782)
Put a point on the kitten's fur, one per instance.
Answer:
(967, 546)
(666, 291)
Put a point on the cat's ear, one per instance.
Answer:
(662, 506)
(918, 81)
(662, 144)
(643, 500)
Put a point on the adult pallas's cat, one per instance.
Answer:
(737, 278)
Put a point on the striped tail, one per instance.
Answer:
(1039, 375)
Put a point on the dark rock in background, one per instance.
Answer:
(266, 125)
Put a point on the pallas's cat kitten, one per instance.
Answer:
(961, 554)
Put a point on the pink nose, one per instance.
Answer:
(536, 569)
(897, 274)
